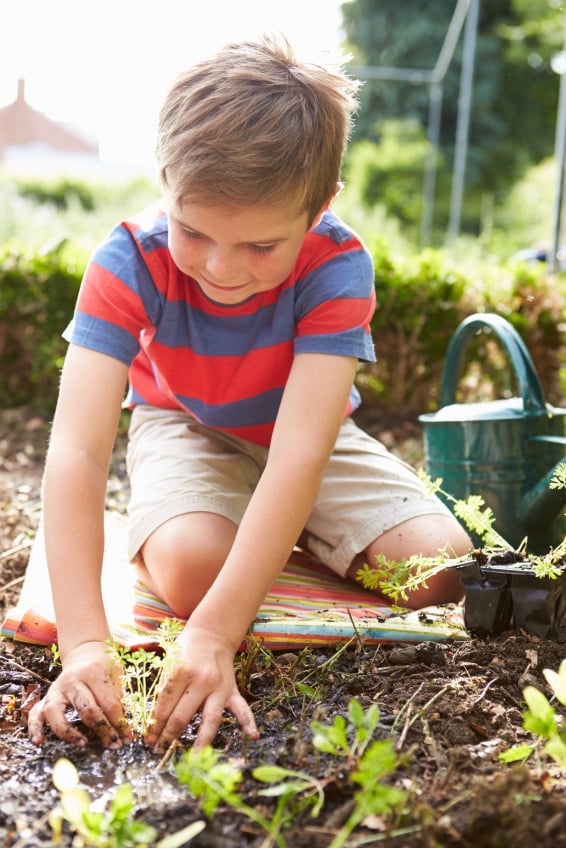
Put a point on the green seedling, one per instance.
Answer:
(55, 657)
(542, 719)
(143, 672)
(215, 781)
(115, 827)
(347, 739)
(375, 760)
(397, 579)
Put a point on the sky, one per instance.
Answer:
(105, 66)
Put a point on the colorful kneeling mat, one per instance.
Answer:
(306, 606)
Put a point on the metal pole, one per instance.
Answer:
(559, 66)
(463, 125)
(431, 164)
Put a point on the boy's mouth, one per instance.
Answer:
(223, 288)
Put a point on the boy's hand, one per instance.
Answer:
(89, 683)
(202, 676)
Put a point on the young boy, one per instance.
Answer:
(237, 313)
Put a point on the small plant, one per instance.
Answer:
(374, 762)
(542, 719)
(347, 739)
(397, 579)
(115, 827)
(143, 673)
(215, 781)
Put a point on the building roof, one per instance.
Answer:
(20, 125)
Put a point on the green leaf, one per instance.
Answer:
(271, 774)
(65, 776)
(556, 748)
(557, 681)
(539, 705)
(176, 840)
(516, 753)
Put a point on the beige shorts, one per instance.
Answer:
(177, 466)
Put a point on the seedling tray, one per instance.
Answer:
(504, 595)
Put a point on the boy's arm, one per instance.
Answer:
(311, 412)
(74, 490)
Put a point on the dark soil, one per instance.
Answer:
(449, 709)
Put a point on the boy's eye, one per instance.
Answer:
(190, 233)
(262, 249)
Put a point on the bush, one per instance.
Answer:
(37, 297)
(422, 300)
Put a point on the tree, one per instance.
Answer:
(514, 93)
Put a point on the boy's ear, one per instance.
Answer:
(325, 205)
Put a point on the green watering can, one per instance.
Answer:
(504, 450)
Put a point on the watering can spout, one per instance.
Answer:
(540, 506)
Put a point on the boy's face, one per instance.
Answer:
(235, 253)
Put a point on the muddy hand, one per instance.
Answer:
(202, 676)
(89, 684)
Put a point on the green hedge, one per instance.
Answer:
(37, 296)
(421, 301)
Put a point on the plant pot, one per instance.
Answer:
(503, 595)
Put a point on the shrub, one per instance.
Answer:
(422, 300)
(37, 297)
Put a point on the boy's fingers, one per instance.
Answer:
(170, 717)
(52, 710)
(212, 715)
(239, 707)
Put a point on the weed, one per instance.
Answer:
(114, 827)
(374, 762)
(397, 579)
(215, 781)
(143, 673)
(542, 719)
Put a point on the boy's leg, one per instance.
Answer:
(182, 557)
(372, 503)
(425, 535)
(190, 487)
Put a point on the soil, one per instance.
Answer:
(448, 709)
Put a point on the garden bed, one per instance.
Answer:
(449, 710)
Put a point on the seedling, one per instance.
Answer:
(215, 781)
(397, 579)
(375, 761)
(115, 827)
(144, 671)
(542, 719)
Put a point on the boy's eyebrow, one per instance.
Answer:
(275, 240)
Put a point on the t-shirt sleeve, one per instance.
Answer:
(117, 299)
(335, 304)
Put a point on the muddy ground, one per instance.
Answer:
(450, 710)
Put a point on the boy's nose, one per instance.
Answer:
(220, 266)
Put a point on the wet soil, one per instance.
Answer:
(448, 709)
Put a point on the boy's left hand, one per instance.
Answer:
(202, 676)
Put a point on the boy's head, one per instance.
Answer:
(253, 126)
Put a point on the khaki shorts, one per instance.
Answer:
(177, 465)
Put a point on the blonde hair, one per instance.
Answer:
(252, 125)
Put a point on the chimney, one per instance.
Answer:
(21, 91)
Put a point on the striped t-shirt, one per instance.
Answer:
(225, 365)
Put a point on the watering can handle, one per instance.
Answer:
(530, 387)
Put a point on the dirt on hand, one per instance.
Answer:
(448, 709)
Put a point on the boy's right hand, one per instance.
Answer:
(90, 684)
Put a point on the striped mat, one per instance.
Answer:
(306, 606)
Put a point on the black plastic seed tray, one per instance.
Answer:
(502, 596)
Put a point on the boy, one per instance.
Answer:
(237, 314)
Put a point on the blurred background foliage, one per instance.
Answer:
(49, 227)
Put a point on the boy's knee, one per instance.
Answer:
(183, 556)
